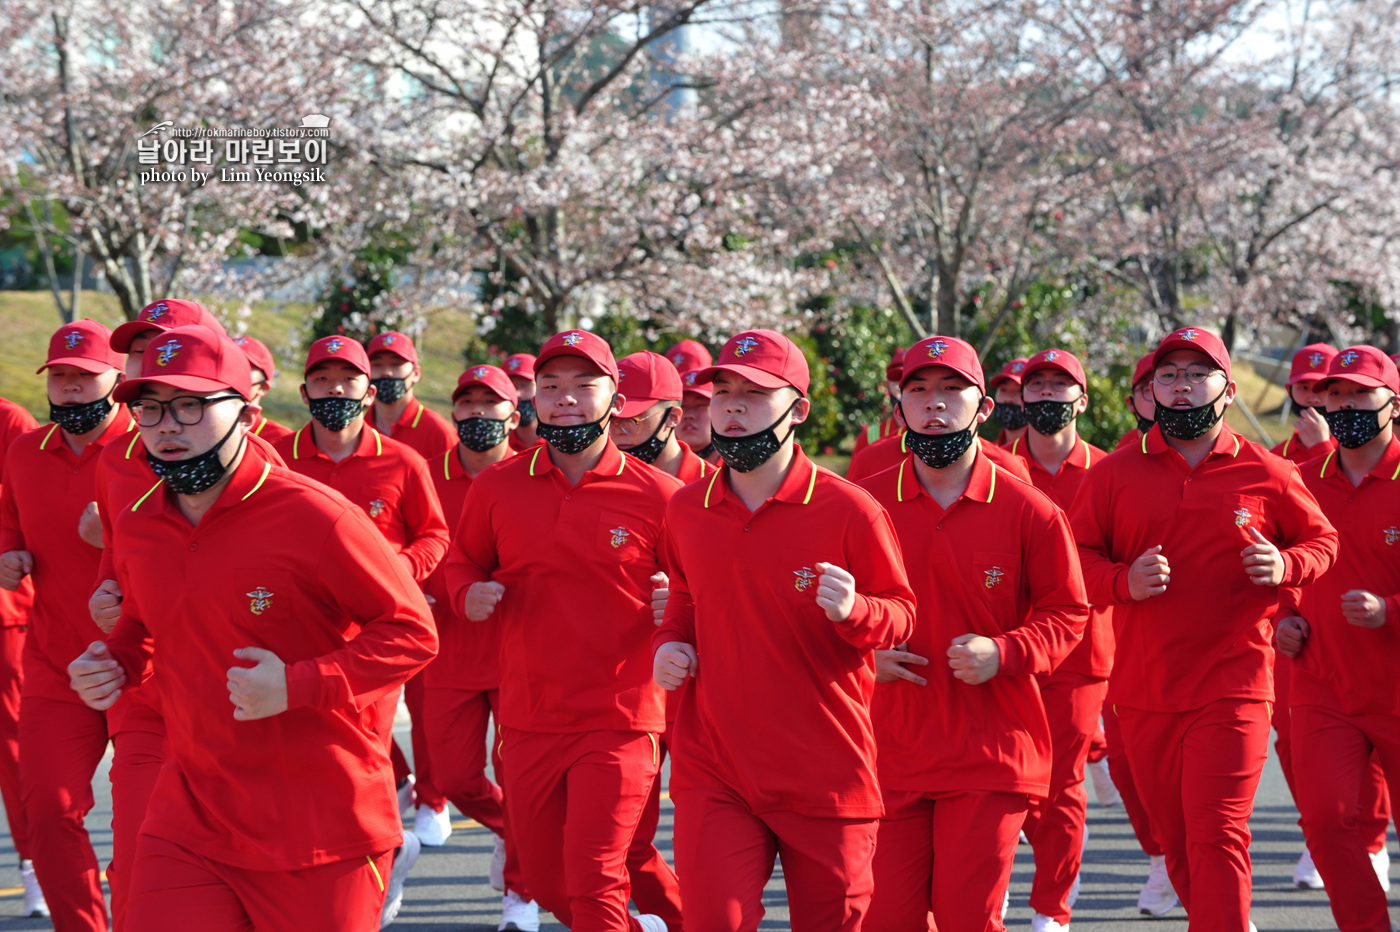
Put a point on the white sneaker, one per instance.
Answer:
(432, 827)
(1305, 874)
(1380, 860)
(1005, 904)
(404, 859)
(1023, 840)
(406, 797)
(496, 873)
(34, 905)
(1252, 926)
(518, 915)
(650, 923)
(1041, 923)
(1104, 791)
(1157, 897)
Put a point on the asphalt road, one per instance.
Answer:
(447, 889)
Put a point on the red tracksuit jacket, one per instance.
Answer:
(14, 606)
(389, 481)
(1094, 655)
(282, 563)
(46, 489)
(576, 562)
(1000, 563)
(1342, 666)
(1209, 635)
(779, 712)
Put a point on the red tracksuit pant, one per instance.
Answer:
(1055, 825)
(1373, 820)
(1122, 773)
(177, 890)
(1336, 754)
(60, 746)
(11, 680)
(1197, 772)
(574, 802)
(949, 855)
(655, 887)
(725, 853)
(457, 723)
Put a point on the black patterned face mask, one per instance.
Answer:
(1190, 423)
(480, 434)
(574, 438)
(939, 451)
(1049, 417)
(1144, 424)
(527, 412)
(197, 473)
(1011, 416)
(649, 449)
(747, 453)
(335, 414)
(389, 389)
(1355, 427)
(76, 420)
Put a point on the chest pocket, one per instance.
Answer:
(1243, 512)
(620, 538)
(1385, 536)
(261, 600)
(996, 575)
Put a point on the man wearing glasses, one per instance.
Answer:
(281, 617)
(1190, 536)
(1054, 392)
(647, 426)
(264, 371)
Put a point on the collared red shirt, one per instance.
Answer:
(285, 564)
(423, 429)
(874, 433)
(389, 481)
(271, 431)
(46, 489)
(469, 653)
(1342, 666)
(1209, 635)
(888, 453)
(14, 606)
(1094, 655)
(692, 466)
(576, 562)
(779, 713)
(999, 562)
(1294, 450)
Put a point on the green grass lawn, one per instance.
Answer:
(28, 319)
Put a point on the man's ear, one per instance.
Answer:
(985, 408)
(1230, 392)
(800, 409)
(673, 417)
(305, 398)
(1081, 404)
(250, 415)
(370, 393)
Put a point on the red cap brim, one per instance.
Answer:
(1369, 381)
(633, 407)
(759, 377)
(85, 363)
(123, 335)
(131, 388)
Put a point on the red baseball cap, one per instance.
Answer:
(193, 358)
(1011, 372)
(1142, 372)
(1194, 338)
(646, 378)
(590, 346)
(342, 348)
(1310, 363)
(165, 314)
(391, 341)
(521, 365)
(688, 355)
(1057, 359)
(1364, 365)
(492, 377)
(895, 369)
(947, 352)
(764, 357)
(259, 356)
(692, 385)
(85, 344)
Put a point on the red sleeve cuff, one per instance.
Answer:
(1121, 594)
(1013, 658)
(860, 612)
(11, 540)
(303, 684)
(1292, 570)
(663, 636)
(1392, 611)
